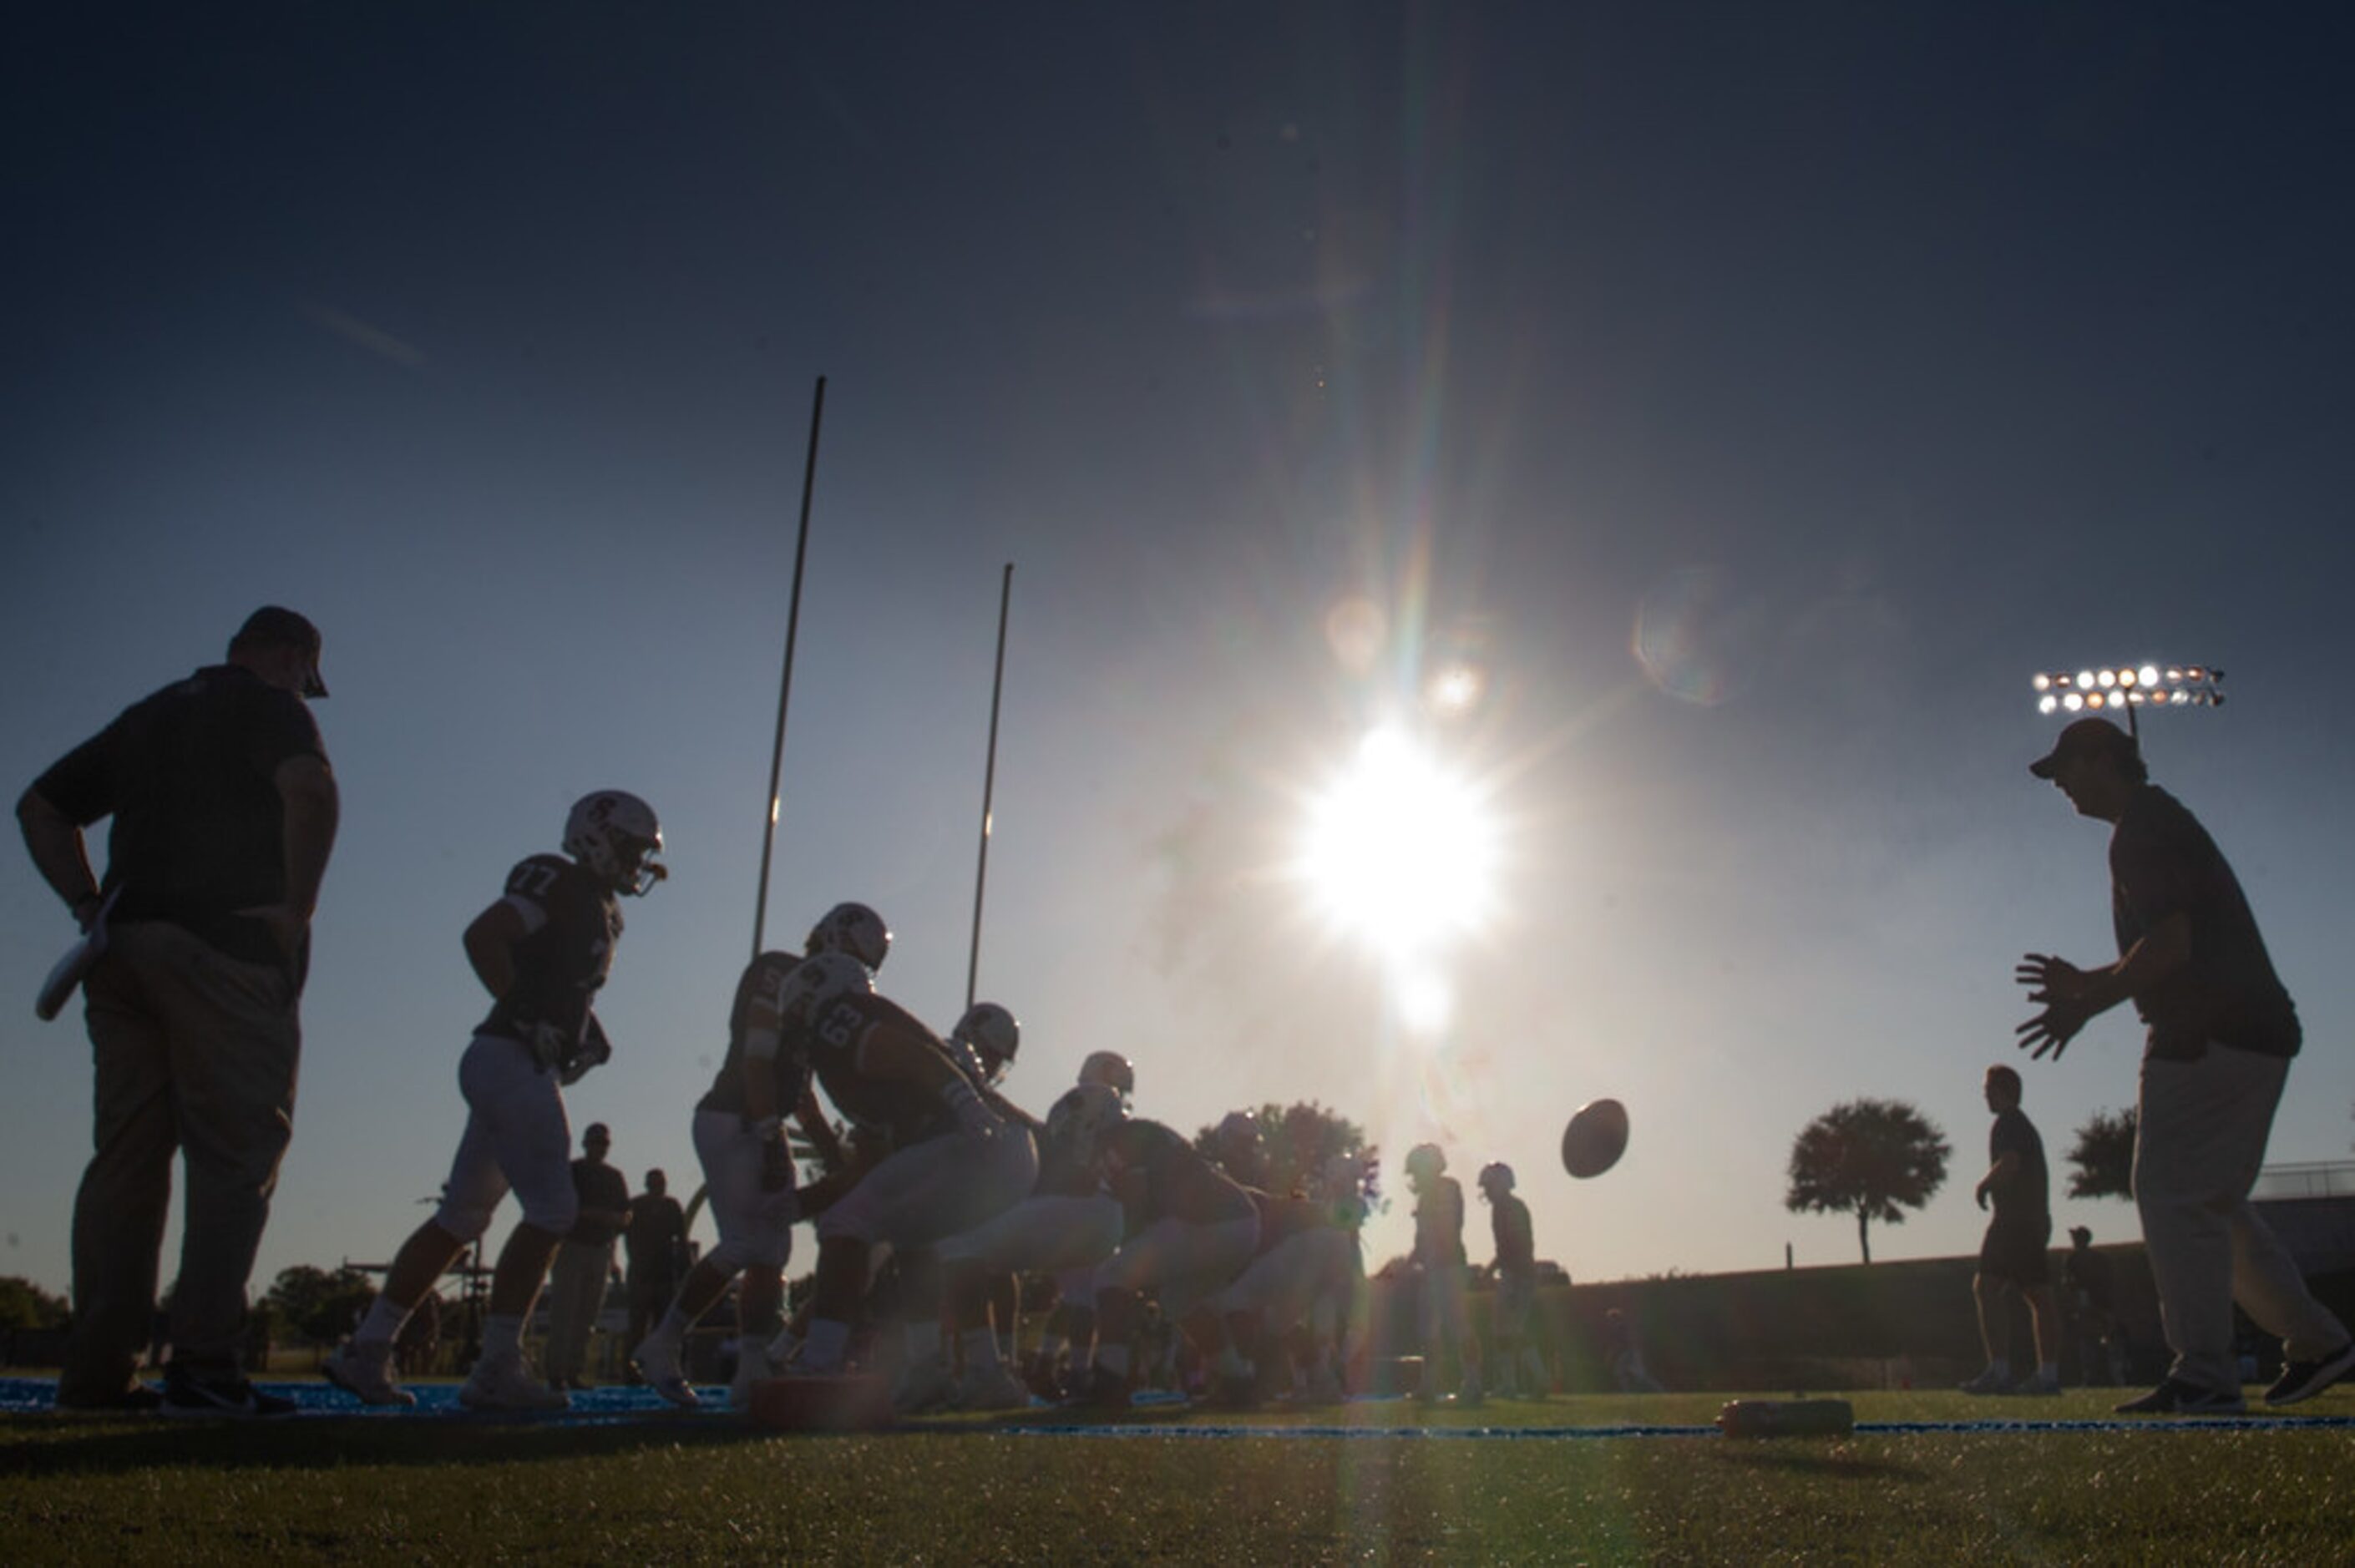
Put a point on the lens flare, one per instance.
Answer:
(1399, 851)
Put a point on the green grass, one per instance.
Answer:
(701, 1489)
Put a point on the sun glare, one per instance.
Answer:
(1401, 852)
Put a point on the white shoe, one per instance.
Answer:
(505, 1383)
(751, 1367)
(925, 1384)
(657, 1363)
(993, 1388)
(363, 1369)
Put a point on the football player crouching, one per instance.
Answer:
(955, 1158)
(542, 950)
(1070, 1223)
(748, 1167)
(1187, 1231)
(1298, 1297)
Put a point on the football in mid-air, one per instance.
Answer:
(1596, 1139)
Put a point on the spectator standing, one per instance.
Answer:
(2221, 1031)
(584, 1264)
(656, 1249)
(224, 814)
(2011, 1255)
(2087, 1274)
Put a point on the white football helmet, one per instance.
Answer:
(1496, 1180)
(852, 928)
(1081, 1121)
(992, 1033)
(1111, 1069)
(818, 979)
(614, 834)
(1425, 1162)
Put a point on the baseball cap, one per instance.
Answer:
(2086, 737)
(274, 626)
(597, 1133)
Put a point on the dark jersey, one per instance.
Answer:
(1508, 1222)
(1159, 1175)
(598, 1186)
(573, 921)
(758, 994)
(2028, 1194)
(2162, 862)
(189, 774)
(831, 1037)
(1066, 1170)
(1281, 1219)
(1439, 1223)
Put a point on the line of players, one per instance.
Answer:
(959, 1184)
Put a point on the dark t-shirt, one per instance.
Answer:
(657, 1226)
(758, 991)
(1439, 1223)
(189, 774)
(2089, 1272)
(1508, 1222)
(2027, 1196)
(2162, 862)
(599, 1186)
(562, 962)
(1159, 1175)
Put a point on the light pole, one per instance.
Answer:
(2130, 688)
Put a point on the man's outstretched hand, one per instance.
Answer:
(2061, 986)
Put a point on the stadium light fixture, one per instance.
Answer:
(2132, 687)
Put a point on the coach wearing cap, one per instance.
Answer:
(224, 812)
(2221, 1031)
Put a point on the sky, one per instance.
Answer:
(1754, 397)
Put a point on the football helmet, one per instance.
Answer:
(1081, 1121)
(1496, 1180)
(992, 1033)
(616, 836)
(1111, 1069)
(1425, 1162)
(818, 979)
(851, 928)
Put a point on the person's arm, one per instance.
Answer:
(58, 853)
(2000, 1173)
(491, 941)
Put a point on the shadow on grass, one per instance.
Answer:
(1814, 1461)
(34, 1447)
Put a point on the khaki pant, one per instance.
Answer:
(195, 1055)
(2200, 1140)
(576, 1294)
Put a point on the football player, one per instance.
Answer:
(542, 951)
(1072, 1322)
(1187, 1231)
(1517, 1284)
(1439, 1254)
(1305, 1288)
(748, 1167)
(954, 1158)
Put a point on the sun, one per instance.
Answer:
(1399, 852)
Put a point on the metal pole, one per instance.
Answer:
(989, 781)
(786, 683)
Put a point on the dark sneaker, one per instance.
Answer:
(2304, 1380)
(1103, 1390)
(136, 1400)
(2176, 1397)
(230, 1397)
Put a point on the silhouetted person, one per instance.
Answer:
(2087, 1274)
(583, 1267)
(2012, 1254)
(2221, 1031)
(656, 1249)
(224, 812)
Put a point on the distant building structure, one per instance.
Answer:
(2311, 1208)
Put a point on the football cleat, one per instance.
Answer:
(1102, 1389)
(363, 1369)
(656, 1360)
(505, 1383)
(615, 835)
(851, 928)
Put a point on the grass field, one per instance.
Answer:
(703, 1490)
